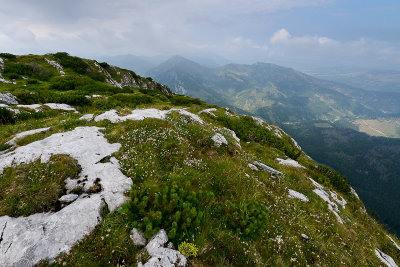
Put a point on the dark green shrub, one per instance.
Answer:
(32, 81)
(75, 98)
(338, 181)
(72, 99)
(17, 68)
(104, 65)
(97, 76)
(247, 219)
(39, 72)
(66, 83)
(133, 100)
(6, 116)
(36, 115)
(74, 63)
(248, 130)
(134, 75)
(25, 97)
(33, 70)
(173, 207)
(180, 100)
(12, 76)
(8, 56)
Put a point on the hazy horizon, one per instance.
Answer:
(303, 34)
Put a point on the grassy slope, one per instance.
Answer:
(156, 153)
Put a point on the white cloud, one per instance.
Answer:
(281, 36)
(240, 43)
(324, 50)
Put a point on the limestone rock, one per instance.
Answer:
(267, 168)
(68, 198)
(137, 237)
(305, 236)
(27, 240)
(87, 117)
(219, 140)
(253, 167)
(297, 195)
(8, 99)
(161, 256)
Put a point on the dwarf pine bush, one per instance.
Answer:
(173, 207)
(247, 219)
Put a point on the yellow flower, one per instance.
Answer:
(188, 249)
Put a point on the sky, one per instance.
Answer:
(297, 33)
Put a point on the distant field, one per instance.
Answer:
(380, 127)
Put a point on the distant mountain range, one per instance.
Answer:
(276, 93)
(143, 65)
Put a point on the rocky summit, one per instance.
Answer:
(102, 167)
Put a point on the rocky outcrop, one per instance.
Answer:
(1, 66)
(266, 168)
(219, 140)
(386, 259)
(332, 205)
(8, 99)
(138, 238)
(160, 255)
(297, 195)
(290, 162)
(141, 114)
(26, 240)
(57, 66)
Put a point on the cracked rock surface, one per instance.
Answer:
(161, 256)
(24, 241)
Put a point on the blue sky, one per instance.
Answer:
(298, 33)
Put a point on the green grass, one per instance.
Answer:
(199, 193)
(108, 245)
(32, 188)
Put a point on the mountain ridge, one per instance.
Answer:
(145, 167)
(329, 101)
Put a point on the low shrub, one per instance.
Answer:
(66, 83)
(180, 100)
(32, 81)
(36, 115)
(247, 218)
(97, 76)
(248, 130)
(6, 116)
(338, 181)
(8, 56)
(33, 70)
(173, 207)
(133, 100)
(104, 65)
(74, 63)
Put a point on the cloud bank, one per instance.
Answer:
(245, 31)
